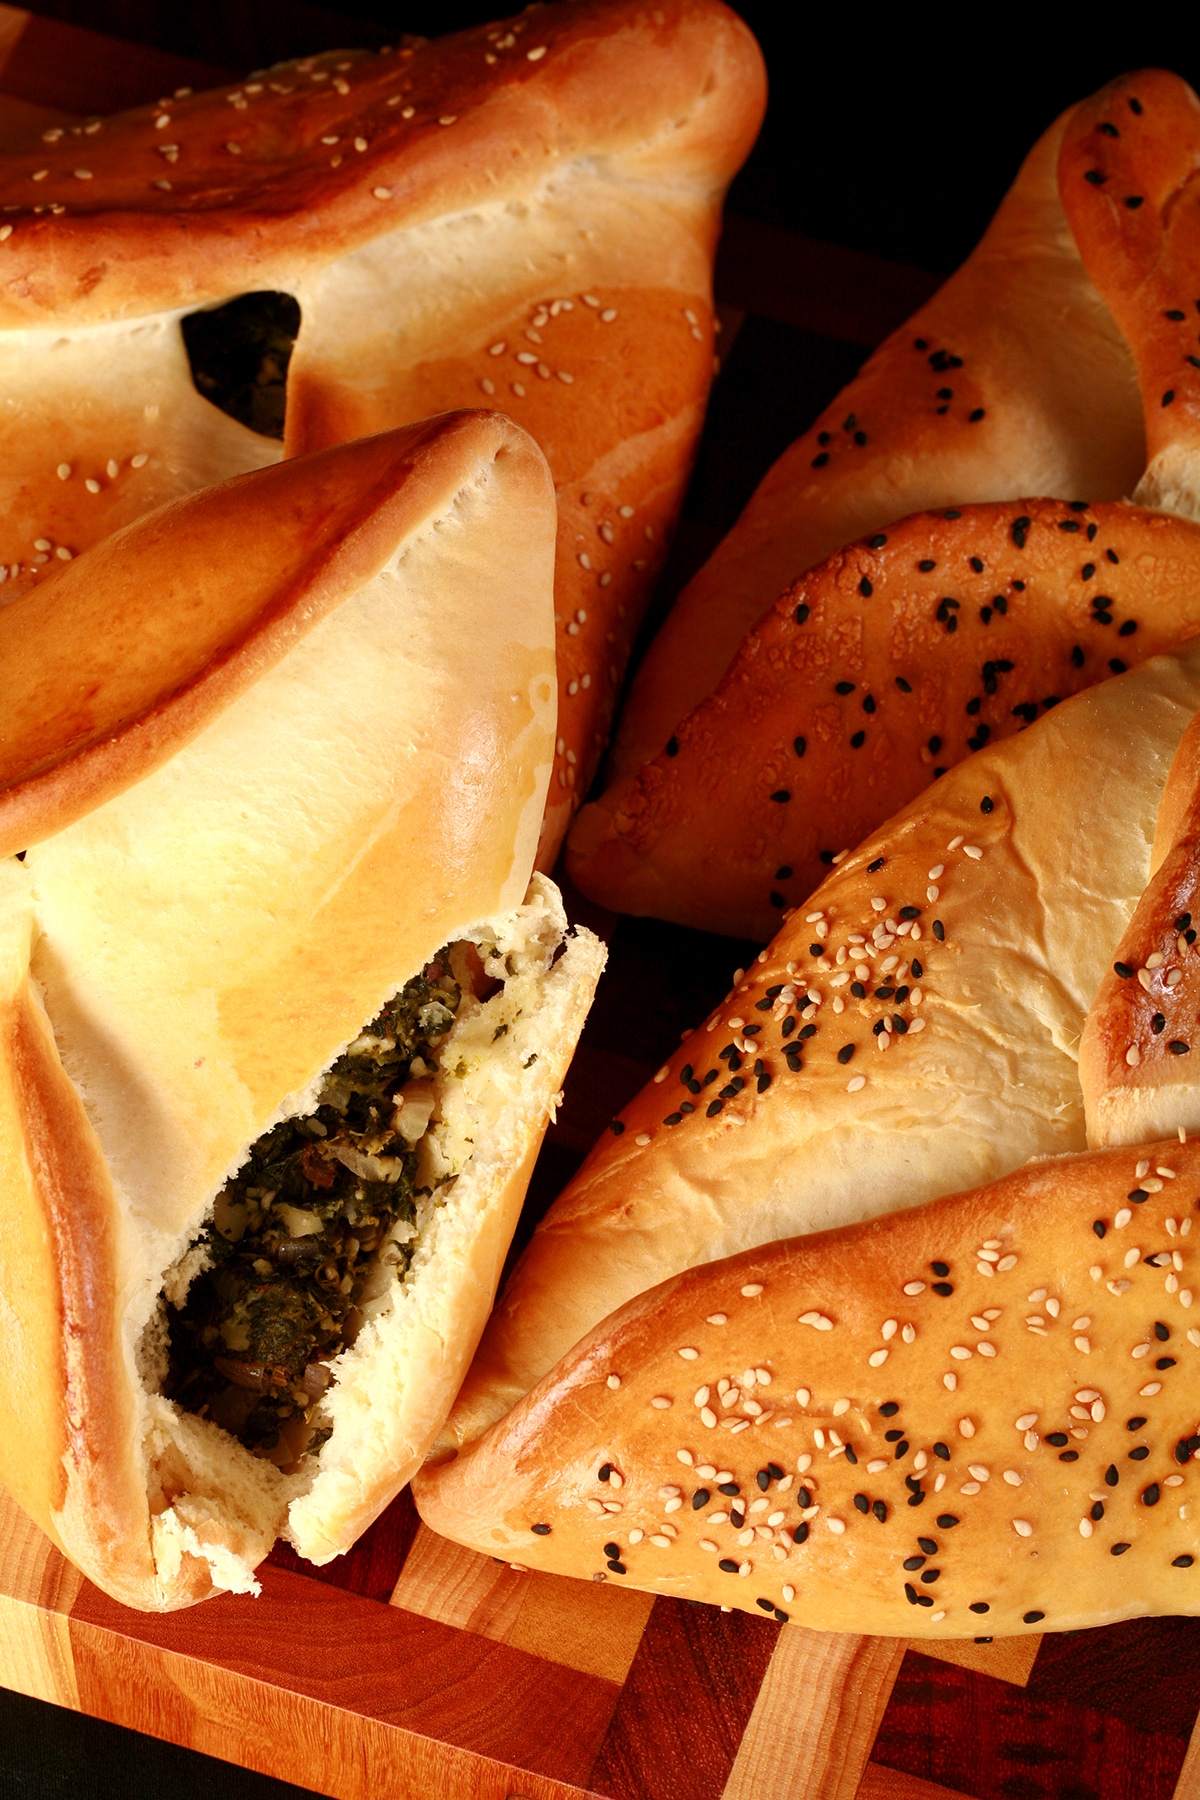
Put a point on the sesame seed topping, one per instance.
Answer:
(751, 1288)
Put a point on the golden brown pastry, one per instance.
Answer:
(520, 216)
(869, 677)
(1129, 174)
(1135, 1055)
(1013, 380)
(283, 1017)
(975, 1417)
(912, 1030)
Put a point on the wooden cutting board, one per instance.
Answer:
(412, 1668)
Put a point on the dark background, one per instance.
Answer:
(896, 140)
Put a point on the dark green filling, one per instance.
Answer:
(250, 1347)
(239, 356)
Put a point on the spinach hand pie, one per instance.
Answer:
(284, 1014)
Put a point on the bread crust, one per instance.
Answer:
(1135, 1066)
(875, 1430)
(545, 189)
(1129, 180)
(983, 1075)
(1041, 398)
(881, 668)
(349, 770)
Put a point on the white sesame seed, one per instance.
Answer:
(662, 1401)
(1151, 1388)
(914, 1287)
(955, 842)
(92, 485)
(1123, 1217)
(608, 315)
(1083, 1345)
(448, 119)
(408, 112)
(643, 1137)
(950, 1380)
(973, 851)
(83, 175)
(959, 1352)
(685, 1456)
(135, 462)
(63, 554)
(751, 1289)
(966, 1428)
(535, 55)
(1022, 1527)
(1133, 1056)
(1026, 1421)
(718, 1319)
(877, 1359)
(705, 1544)
(802, 1396)
(64, 471)
(614, 1381)
(672, 1505)
(708, 1417)
(857, 1082)
(1013, 1478)
(837, 1526)
(687, 1353)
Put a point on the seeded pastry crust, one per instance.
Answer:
(871, 675)
(522, 215)
(1129, 174)
(1013, 380)
(300, 739)
(1136, 1056)
(938, 1052)
(979, 1417)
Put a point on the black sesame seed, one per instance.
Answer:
(807, 1031)
(980, 1606)
(675, 1118)
(873, 868)
(877, 542)
(858, 740)
(713, 1108)
(801, 613)
(700, 1498)
(1140, 1454)
(902, 1449)
(1095, 177)
(781, 1615)
(984, 1640)
(1127, 628)
(914, 1562)
(803, 1497)
(540, 1530)
(1135, 105)
(729, 1487)
(618, 1568)
(843, 687)
(1136, 1423)
(973, 418)
(1069, 1456)
(1032, 1618)
(1118, 1549)
(890, 1408)
(1137, 1195)
(869, 704)
(774, 1471)
(1098, 1510)
(845, 1053)
(939, 930)
(819, 461)
(1162, 1332)
(943, 1288)
(800, 1534)
(928, 1545)
(910, 1593)
(917, 969)
(603, 1472)
(672, 746)
(767, 1605)
(1099, 1227)
(862, 1504)
(781, 796)
(1169, 396)
(904, 686)
(1133, 201)
(1077, 657)
(1057, 1438)
(1111, 1476)
(879, 1508)
(728, 1565)
(1123, 970)
(987, 804)
(1177, 1047)
(1020, 531)
(940, 1268)
(946, 1521)
(1164, 1362)
(612, 1549)
(894, 1435)
(1182, 1562)
(616, 1126)
(1158, 1024)
(865, 588)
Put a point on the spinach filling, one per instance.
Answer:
(319, 1208)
